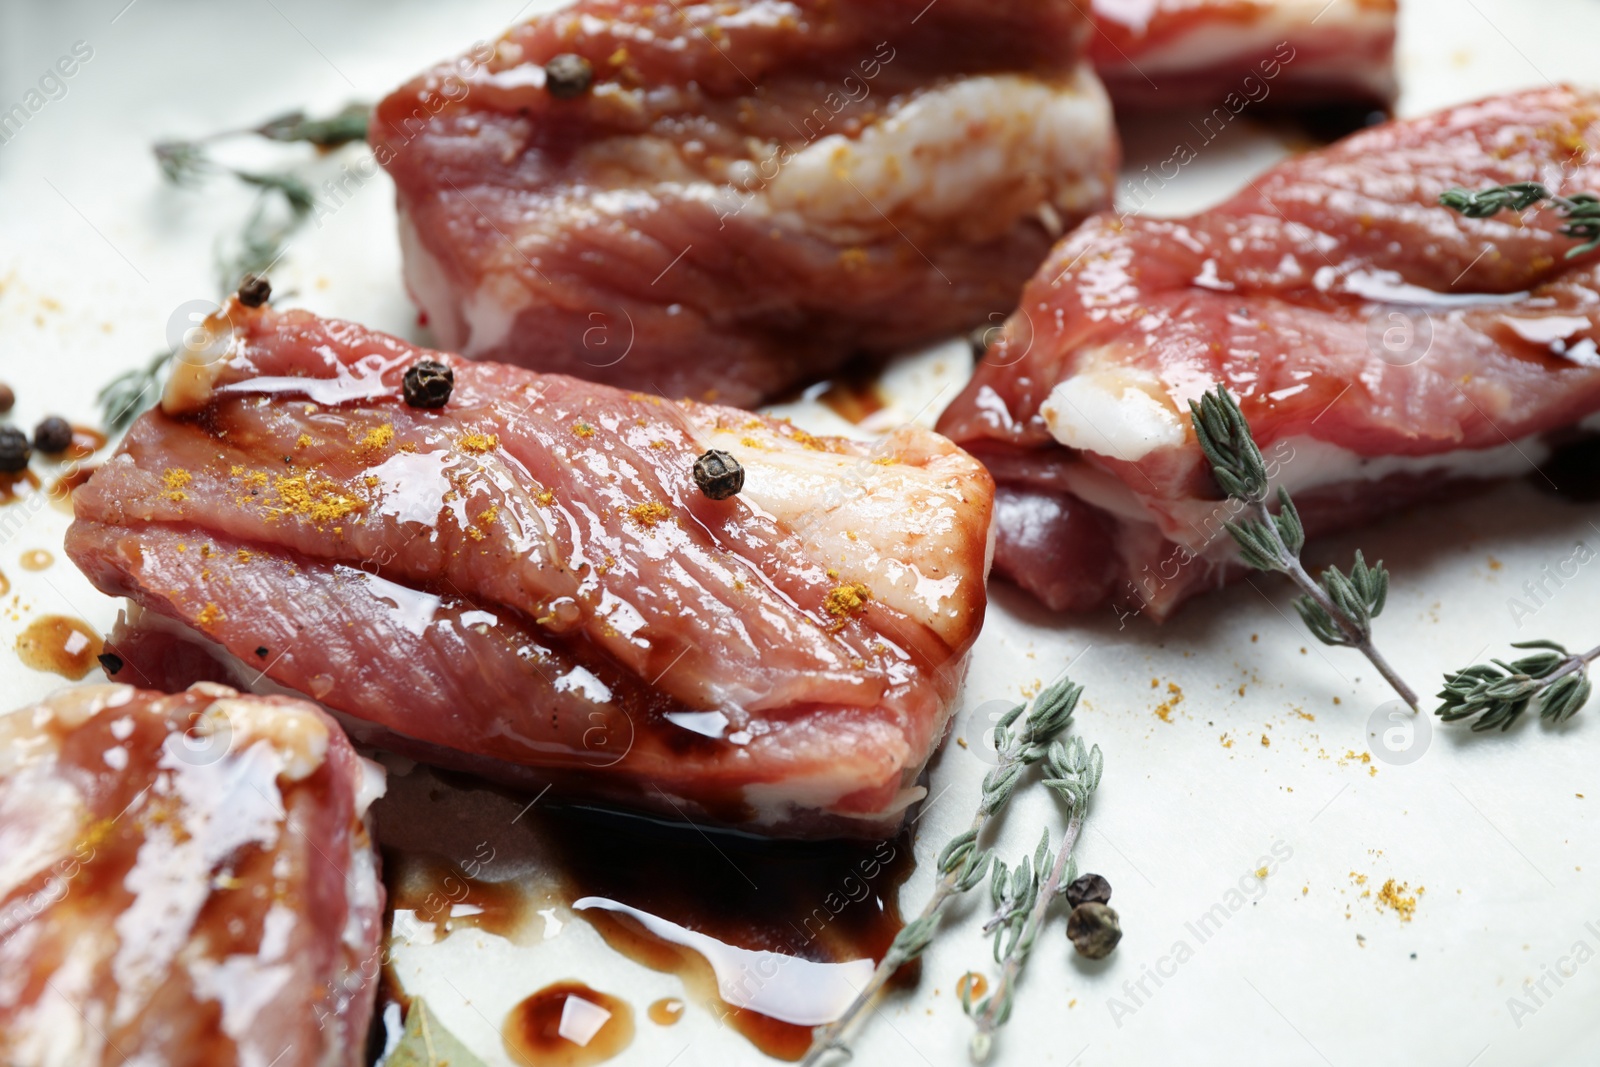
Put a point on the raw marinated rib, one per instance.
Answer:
(529, 583)
(751, 192)
(185, 880)
(1177, 53)
(1385, 349)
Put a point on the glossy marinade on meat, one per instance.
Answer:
(185, 880)
(1246, 53)
(749, 193)
(1384, 348)
(529, 583)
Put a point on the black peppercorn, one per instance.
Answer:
(428, 384)
(1094, 930)
(52, 436)
(110, 661)
(254, 291)
(14, 450)
(567, 76)
(1090, 888)
(718, 475)
(8, 399)
(261, 653)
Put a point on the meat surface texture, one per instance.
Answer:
(1297, 53)
(529, 583)
(751, 192)
(1384, 349)
(185, 880)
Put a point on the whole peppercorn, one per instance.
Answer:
(254, 291)
(718, 475)
(1090, 888)
(428, 384)
(1094, 930)
(14, 450)
(110, 662)
(8, 399)
(52, 436)
(568, 76)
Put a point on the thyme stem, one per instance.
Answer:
(1356, 637)
(962, 865)
(1338, 609)
(1005, 986)
(1499, 692)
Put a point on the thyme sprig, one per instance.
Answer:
(285, 203)
(1581, 210)
(1498, 692)
(1340, 608)
(1021, 900)
(962, 864)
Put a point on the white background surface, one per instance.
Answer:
(95, 253)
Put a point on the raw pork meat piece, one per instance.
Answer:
(185, 880)
(1177, 53)
(751, 192)
(1385, 349)
(529, 583)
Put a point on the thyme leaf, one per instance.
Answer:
(1338, 609)
(1497, 692)
(284, 204)
(1023, 736)
(1581, 210)
(1022, 900)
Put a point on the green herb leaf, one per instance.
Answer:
(1338, 610)
(1497, 693)
(426, 1043)
(1581, 210)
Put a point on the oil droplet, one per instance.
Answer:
(567, 1025)
(972, 985)
(63, 646)
(37, 559)
(667, 1011)
(5, 584)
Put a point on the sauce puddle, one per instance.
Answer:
(773, 937)
(55, 643)
(668, 1011)
(12, 486)
(567, 1025)
(61, 489)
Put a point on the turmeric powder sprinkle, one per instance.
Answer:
(479, 442)
(847, 599)
(648, 514)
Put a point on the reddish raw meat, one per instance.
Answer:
(529, 583)
(751, 192)
(185, 880)
(1244, 53)
(1385, 350)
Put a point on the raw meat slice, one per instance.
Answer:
(1384, 348)
(185, 880)
(751, 192)
(529, 583)
(1172, 53)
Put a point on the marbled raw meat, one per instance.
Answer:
(1384, 348)
(528, 582)
(1177, 53)
(185, 881)
(752, 192)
